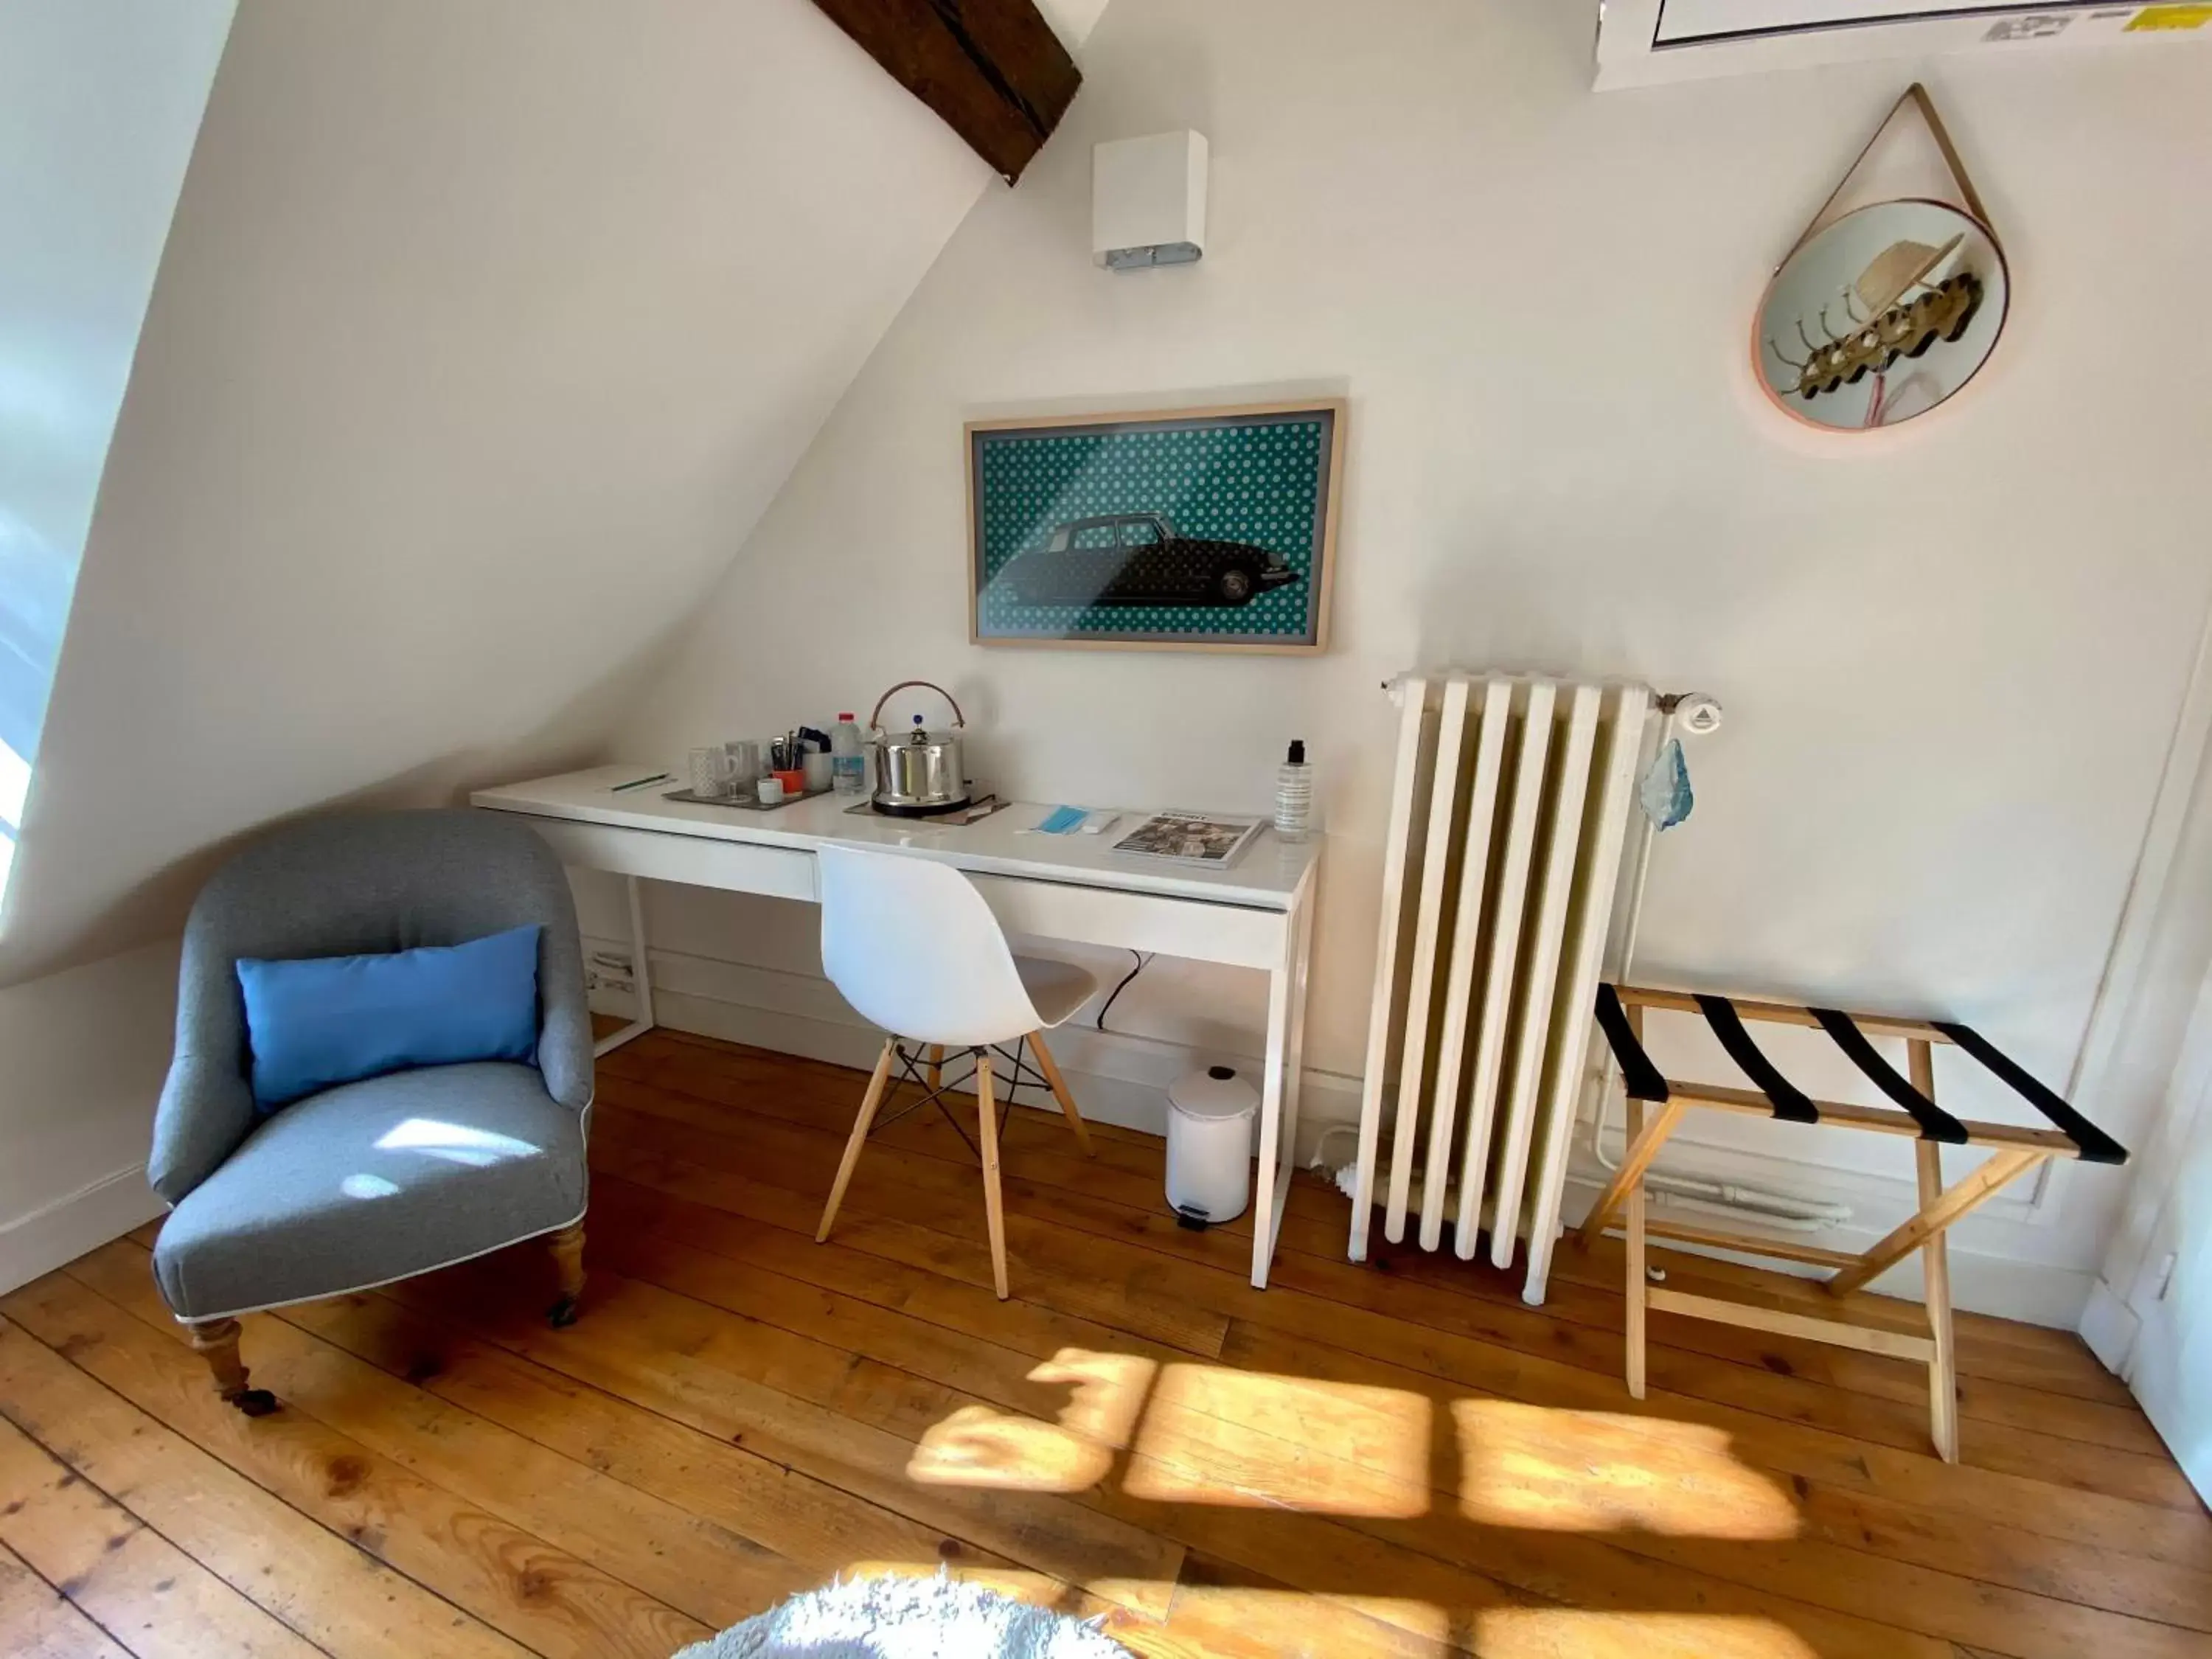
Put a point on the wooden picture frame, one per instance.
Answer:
(1209, 529)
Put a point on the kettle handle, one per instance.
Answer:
(874, 719)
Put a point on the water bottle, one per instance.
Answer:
(1294, 795)
(848, 758)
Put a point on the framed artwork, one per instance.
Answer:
(1194, 530)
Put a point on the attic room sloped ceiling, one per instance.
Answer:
(483, 337)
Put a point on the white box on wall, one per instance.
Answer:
(1148, 201)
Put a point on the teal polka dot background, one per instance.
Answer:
(1261, 480)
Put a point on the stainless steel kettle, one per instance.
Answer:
(918, 773)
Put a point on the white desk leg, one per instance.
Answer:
(641, 973)
(1279, 1091)
(1294, 1058)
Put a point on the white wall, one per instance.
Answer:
(484, 334)
(2150, 1316)
(99, 102)
(1951, 654)
(86, 1051)
(2170, 1295)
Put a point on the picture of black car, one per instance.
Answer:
(1140, 558)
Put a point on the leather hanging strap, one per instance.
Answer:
(1916, 95)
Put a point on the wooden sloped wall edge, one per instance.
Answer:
(993, 69)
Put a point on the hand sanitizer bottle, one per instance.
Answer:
(1294, 795)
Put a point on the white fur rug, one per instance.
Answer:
(939, 1617)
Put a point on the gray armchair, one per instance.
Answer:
(393, 1175)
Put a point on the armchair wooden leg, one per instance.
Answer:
(216, 1340)
(1051, 1067)
(568, 1248)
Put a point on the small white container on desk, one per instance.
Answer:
(1210, 1116)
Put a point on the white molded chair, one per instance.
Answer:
(913, 946)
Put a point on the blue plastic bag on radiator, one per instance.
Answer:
(1665, 793)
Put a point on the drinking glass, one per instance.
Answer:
(745, 767)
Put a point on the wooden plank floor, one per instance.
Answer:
(1395, 1459)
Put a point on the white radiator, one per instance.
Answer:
(1508, 819)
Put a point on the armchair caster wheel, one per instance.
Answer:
(561, 1314)
(216, 1341)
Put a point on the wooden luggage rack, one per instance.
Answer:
(2013, 1151)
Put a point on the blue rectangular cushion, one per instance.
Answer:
(316, 1024)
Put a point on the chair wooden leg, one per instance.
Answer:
(861, 1125)
(568, 1248)
(935, 1071)
(993, 1207)
(217, 1341)
(1051, 1067)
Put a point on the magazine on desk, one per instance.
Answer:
(1177, 836)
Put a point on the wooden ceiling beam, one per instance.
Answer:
(993, 69)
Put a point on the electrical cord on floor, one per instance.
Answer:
(1142, 962)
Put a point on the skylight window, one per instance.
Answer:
(15, 784)
(100, 101)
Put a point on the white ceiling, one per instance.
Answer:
(483, 337)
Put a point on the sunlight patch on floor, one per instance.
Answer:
(1543, 1467)
(1271, 1619)
(983, 1446)
(1561, 1630)
(1245, 1440)
(1211, 1434)
(1494, 1624)
(1133, 1609)
(1109, 1392)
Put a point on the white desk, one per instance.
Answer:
(1256, 914)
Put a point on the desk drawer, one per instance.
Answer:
(735, 866)
(1138, 921)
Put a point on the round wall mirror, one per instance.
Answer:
(1882, 315)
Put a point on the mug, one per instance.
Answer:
(771, 789)
(710, 774)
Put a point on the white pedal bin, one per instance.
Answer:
(1210, 1116)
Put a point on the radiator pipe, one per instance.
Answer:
(1736, 1203)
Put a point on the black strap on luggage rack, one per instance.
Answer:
(1936, 1123)
(1644, 1081)
(1788, 1100)
(2092, 1143)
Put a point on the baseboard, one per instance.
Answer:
(2110, 1326)
(57, 1233)
(1122, 1079)
(1118, 1080)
